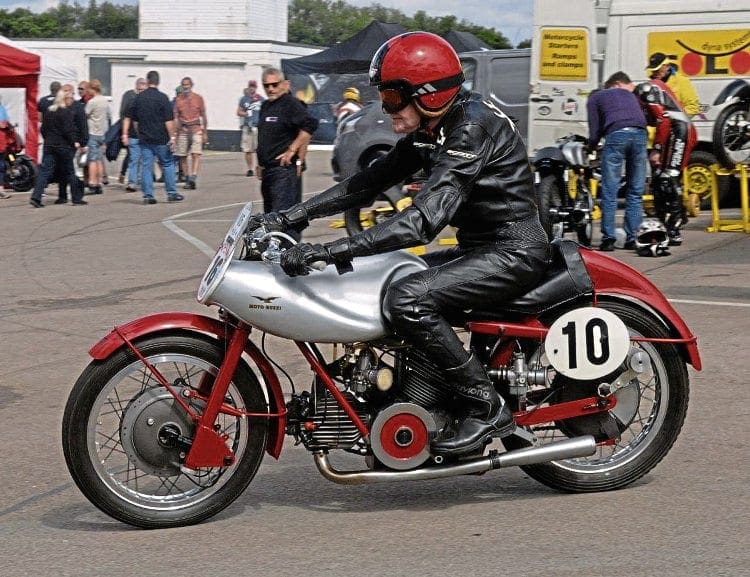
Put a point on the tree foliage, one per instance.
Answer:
(315, 22)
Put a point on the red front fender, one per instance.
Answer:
(611, 276)
(161, 322)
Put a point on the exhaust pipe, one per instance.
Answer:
(568, 449)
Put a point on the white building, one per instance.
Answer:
(220, 45)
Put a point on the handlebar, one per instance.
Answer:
(267, 245)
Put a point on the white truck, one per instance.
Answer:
(578, 44)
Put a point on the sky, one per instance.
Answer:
(511, 17)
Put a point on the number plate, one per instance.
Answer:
(587, 343)
(224, 254)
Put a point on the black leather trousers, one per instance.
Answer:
(460, 279)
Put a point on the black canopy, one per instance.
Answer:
(465, 41)
(350, 56)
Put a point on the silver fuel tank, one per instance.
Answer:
(322, 307)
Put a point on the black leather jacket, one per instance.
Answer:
(479, 181)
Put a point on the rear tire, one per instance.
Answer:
(119, 433)
(655, 402)
(26, 173)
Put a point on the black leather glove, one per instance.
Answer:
(294, 218)
(296, 261)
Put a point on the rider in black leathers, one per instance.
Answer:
(479, 181)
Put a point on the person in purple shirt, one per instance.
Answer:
(616, 115)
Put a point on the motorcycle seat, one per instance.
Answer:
(566, 280)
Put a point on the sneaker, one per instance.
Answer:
(36, 203)
(105, 181)
(79, 202)
(4, 194)
(176, 197)
(149, 200)
(629, 245)
(121, 179)
(130, 188)
(250, 173)
(607, 245)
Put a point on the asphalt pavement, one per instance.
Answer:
(69, 274)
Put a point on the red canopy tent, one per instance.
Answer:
(20, 69)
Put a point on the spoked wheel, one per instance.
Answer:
(636, 434)
(731, 135)
(23, 174)
(125, 436)
(549, 196)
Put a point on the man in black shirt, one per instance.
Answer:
(46, 101)
(284, 131)
(152, 114)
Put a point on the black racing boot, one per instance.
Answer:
(487, 414)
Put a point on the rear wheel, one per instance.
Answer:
(636, 434)
(731, 135)
(23, 174)
(125, 436)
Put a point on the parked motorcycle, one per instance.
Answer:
(731, 135)
(20, 170)
(562, 176)
(169, 423)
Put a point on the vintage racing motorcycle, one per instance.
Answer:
(170, 421)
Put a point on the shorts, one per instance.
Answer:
(95, 146)
(189, 143)
(249, 142)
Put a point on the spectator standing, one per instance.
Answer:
(60, 144)
(284, 130)
(46, 101)
(615, 114)
(664, 68)
(81, 136)
(4, 123)
(350, 105)
(154, 118)
(192, 130)
(249, 111)
(132, 161)
(98, 116)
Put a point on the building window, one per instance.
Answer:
(100, 67)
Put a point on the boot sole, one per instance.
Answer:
(480, 443)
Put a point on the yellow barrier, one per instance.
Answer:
(719, 224)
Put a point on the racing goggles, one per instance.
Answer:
(395, 96)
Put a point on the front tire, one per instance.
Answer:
(649, 415)
(730, 135)
(549, 195)
(120, 423)
(24, 174)
(700, 181)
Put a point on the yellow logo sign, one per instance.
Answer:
(705, 53)
(564, 54)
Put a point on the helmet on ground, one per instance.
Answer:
(351, 93)
(416, 67)
(651, 238)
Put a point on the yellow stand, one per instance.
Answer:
(729, 225)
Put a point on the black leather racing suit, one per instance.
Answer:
(480, 182)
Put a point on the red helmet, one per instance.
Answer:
(421, 67)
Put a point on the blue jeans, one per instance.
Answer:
(134, 161)
(281, 189)
(166, 159)
(623, 147)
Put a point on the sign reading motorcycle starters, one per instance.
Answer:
(587, 343)
(563, 54)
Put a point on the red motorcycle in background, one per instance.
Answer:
(170, 421)
(20, 170)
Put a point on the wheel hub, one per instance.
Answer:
(150, 429)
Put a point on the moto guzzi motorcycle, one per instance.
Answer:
(170, 421)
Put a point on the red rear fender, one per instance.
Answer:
(162, 322)
(611, 276)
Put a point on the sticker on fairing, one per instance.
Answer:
(587, 343)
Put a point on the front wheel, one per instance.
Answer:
(637, 433)
(549, 195)
(700, 181)
(125, 437)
